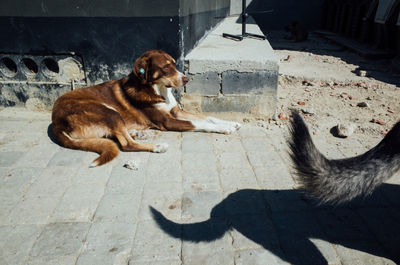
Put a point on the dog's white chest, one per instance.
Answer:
(165, 92)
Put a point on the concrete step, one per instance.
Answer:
(232, 76)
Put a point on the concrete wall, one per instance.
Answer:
(108, 35)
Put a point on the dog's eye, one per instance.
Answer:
(166, 67)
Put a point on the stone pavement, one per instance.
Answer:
(227, 199)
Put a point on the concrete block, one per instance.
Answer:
(254, 104)
(260, 82)
(60, 239)
(207, 83)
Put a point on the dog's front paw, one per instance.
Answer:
(228, 130)
(160, 148)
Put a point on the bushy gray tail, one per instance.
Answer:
(337, 181)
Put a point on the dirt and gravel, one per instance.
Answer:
(331, 86)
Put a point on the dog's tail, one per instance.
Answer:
(337, 181)
(106, 148)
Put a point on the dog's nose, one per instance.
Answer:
(185, 80)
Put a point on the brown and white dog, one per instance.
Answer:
(87, 118)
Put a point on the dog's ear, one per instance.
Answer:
(141, 68)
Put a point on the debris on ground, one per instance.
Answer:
(131, 164)
(345, 129)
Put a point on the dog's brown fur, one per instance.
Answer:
(87, 118)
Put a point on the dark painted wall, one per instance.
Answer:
(307, 12)
(108, 35)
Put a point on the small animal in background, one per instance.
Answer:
(339, 180)
(297, 32)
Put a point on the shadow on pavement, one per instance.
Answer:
(283, 222)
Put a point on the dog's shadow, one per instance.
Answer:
(288, 225)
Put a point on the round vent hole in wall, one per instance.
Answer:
(8, 67)
(29, 67)
(50, 67)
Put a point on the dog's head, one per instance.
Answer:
(158, 67)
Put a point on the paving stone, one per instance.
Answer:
(60, 239)
(237, 178)
(195, 161)
(255, 144)
(383, 226)
(245, 201)
(249, 130)
(150, 240)
(227, 143)
(223, 257)
(123, 180)
(68, 157)
(167, 196)
(87, 175)
(344, 224)
(37, 156)
(198, 205)
(201, 180)
(274, 176)
(15, 183)
(164, 170)
(153, 260)
(106, 241)
(350, 253)
(79, 203)
(259, 256)
(118, 207)
(196, 143)
(232, 160)
(49, 260)
(7, 159)
(253, 230)
(52, 182)
(285, 200)
(32, 210)
(16, 241)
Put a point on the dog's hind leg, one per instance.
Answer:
(128, 144)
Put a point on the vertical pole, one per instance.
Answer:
(244, 15)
